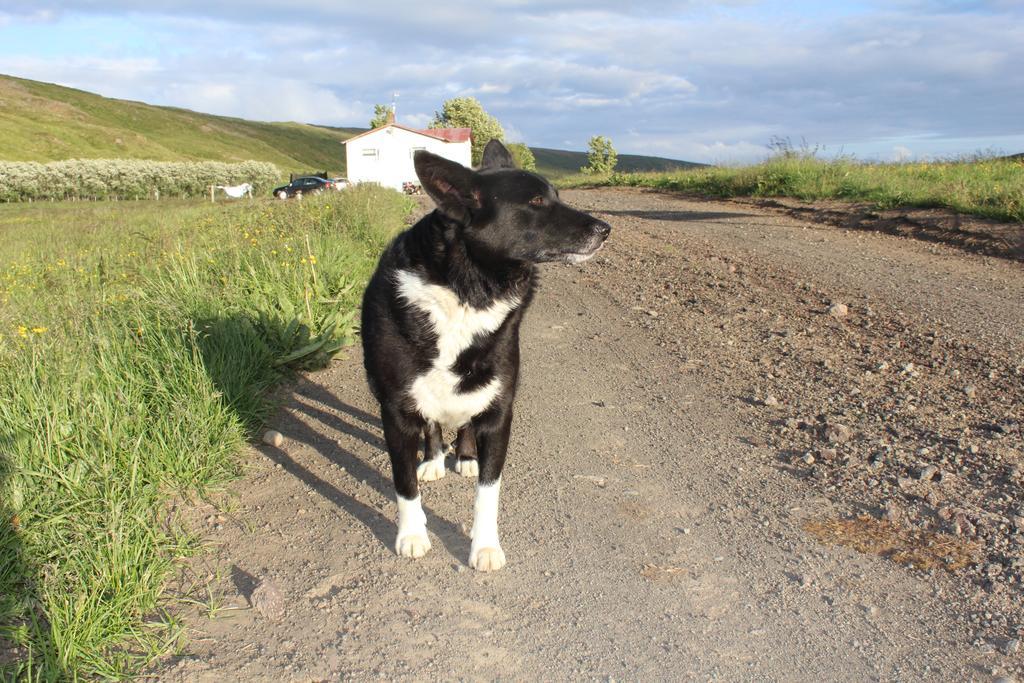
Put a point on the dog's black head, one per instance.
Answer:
(508, 213)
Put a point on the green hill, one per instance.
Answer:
(555, 163)
(46, 122)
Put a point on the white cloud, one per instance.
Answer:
(271, 100)
(681, 79)
(489, 89)
(30, 16)
(415, 120)
(126, 78)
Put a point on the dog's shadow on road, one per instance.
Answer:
(315, 414)
(311, 402)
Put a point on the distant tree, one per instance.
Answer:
(601, 158)
(381, 112)
(523, 156)
(467, 112)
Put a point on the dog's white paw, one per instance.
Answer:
(430, 470)
(467, 468)
(412, 545)
(487, 559)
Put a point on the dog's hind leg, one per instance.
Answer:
(432, 466)
(402, 440)
(465, 452)
(492, 432)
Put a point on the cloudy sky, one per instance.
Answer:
(689, 79)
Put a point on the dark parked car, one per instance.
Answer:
(305, 185)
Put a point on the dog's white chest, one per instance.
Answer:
(456, 325)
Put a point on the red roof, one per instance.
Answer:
(446, 134)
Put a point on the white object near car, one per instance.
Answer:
(236, 191)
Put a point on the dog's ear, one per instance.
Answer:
(496, 155)
(452, 186)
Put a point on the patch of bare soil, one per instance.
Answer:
(918, 549)
(747, 446)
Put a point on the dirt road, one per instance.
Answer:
(691, 400)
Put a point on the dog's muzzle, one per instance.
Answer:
(599, 233)
(601, 229)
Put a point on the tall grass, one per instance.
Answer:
(991, 188)
(137, 343)
(127, 178)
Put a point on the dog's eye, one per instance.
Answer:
(537, 201)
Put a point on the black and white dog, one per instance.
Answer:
(440, 328)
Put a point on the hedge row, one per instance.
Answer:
(126, 178)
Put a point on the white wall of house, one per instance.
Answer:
(384, 155)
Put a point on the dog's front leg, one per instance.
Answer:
(465, 452)
(432, 467)
(402, 439)
(492, 432)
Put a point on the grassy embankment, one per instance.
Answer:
(991, 188)
(137, 345)
(47, 122)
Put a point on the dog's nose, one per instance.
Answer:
(601, 228)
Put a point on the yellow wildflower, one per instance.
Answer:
(38, 330)
(22, 331)
(312, 259)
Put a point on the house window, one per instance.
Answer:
(371, 153)
(413, 150)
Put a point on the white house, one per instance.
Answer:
(384, 155)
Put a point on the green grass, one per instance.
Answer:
(46, 122)
(991, 188)
(137, 345)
